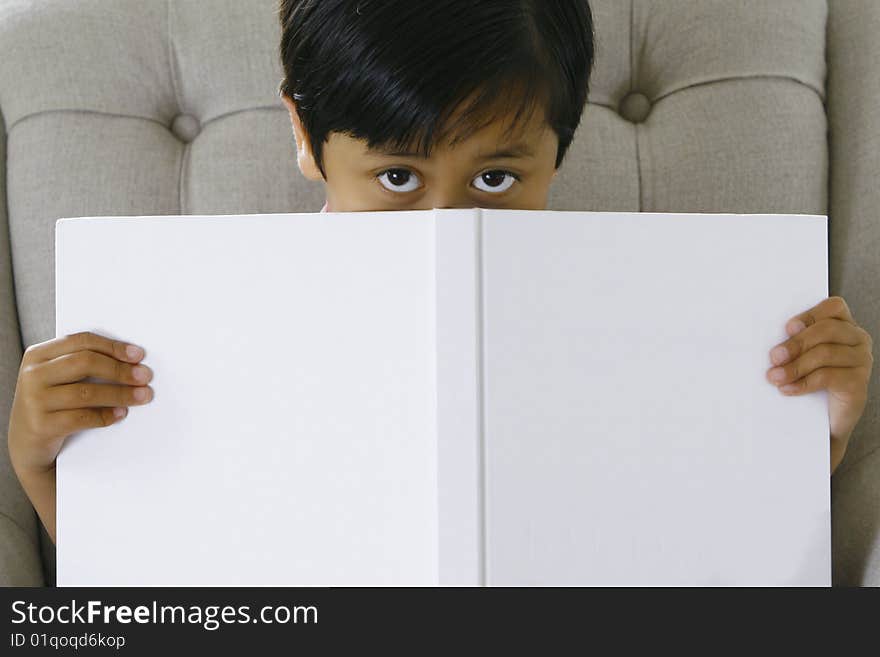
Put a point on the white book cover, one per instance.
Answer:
(447, 397)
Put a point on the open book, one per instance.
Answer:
(477, 397)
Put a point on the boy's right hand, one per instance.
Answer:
(52, 401)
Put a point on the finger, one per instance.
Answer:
(83, 341)
(832, 307)
(847, 380)
(78, 365)
(822, 355)
(64, 423)
(89, 395)
(833, 330)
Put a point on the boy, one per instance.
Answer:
(411, 105)
(408, 105)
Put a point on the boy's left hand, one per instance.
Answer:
(826, 349)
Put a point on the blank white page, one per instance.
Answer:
(292, 437)
(630, 434)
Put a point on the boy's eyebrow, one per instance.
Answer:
(517, 150)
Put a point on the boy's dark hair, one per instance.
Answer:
(393, 71)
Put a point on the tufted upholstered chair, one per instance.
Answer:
(150, 107)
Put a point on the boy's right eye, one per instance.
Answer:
(399, 180)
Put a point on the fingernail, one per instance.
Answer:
(779, 355)
(134, 352)
(797, 326)
(777, 374)
(118, 412)
(140, 373)
(788, 387)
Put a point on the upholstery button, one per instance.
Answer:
(185, 127)
(635, 107)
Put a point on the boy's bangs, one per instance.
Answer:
(512, 103)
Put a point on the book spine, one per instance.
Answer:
(461, 545)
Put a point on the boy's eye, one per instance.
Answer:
(399, 180)
(495, 182)
(404, 180)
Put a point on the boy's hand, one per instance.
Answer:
(52, 401)
(827, 350)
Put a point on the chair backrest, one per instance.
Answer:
(170, 107)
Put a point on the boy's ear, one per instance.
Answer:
(305, 157)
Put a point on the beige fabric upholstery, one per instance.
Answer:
(138, 107)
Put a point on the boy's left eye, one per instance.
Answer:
(495, 182)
